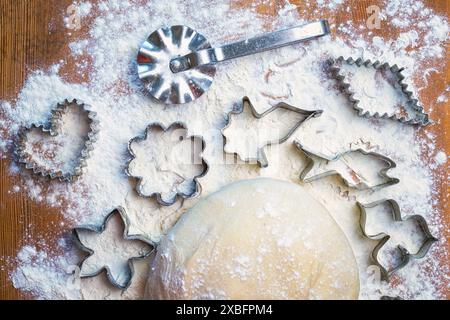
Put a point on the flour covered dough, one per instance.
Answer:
(255, 239)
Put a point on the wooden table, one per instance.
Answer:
(33, 37)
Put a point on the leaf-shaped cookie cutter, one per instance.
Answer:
(99, 229)
(406, 256)
(261, 158)
(311, 161)
(56, 114)
(157, 195)
(421, 117)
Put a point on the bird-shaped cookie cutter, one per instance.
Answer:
(261, 158)
(314, 157)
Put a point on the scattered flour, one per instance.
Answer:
(441, 158)
(330, 4)
(167, 174)
(61, 151)
(111, 250)
(54, 272)
(296, 75)
(246, 134)
(444, 96)
(373, 86)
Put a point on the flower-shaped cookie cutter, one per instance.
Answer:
(100, 229)
(405, 255)
(421, 118)
(158, 195)
(57, 113)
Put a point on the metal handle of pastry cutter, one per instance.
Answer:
(250, 46)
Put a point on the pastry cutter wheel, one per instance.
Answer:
(177, 64)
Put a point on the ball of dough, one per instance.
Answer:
(255, 239)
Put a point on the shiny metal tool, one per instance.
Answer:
(122, 281)
(178, 193)
(382, 237)
(417, 117)
(178, 64)
(52, 129)
(320, 166)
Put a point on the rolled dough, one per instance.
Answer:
(255, 239)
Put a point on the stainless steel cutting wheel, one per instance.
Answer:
(177, 63)
(154, 58)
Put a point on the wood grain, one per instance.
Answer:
(33, 37)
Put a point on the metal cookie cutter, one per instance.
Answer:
(313, 158)
(261, 158)
(26, 158)
(406, 256)
(178, 64)
(421, 118)
(158, 195)
(100, 229)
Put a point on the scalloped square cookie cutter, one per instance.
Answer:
(421, 118)
(158, 195)
(100, 229)
(57, 113)
(406, 256)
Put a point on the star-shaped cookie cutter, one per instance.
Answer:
(313, 157)
(100, 229)
(406, 256)
(421, 118)
(261, 158)
(56, 114)
(158, 195)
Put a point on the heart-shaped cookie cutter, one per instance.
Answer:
(57, 113)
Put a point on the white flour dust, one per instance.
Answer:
(296, 75)
(63, 150)
(168, 174)
(114, 250)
